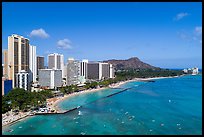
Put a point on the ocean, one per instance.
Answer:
(170, 106)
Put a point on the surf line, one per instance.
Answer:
(75, 108)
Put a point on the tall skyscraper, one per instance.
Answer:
(5, 56)
(40, 63)
(73, 71)
(18, 56)
(32, 63)
(83, 66)
(56, 61)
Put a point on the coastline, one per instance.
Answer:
(54, 101)
(59, 99)
(20, 118)
(116, 85)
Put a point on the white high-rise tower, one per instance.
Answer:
(33, 63)
(84, 68)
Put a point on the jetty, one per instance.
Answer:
(116, 88)
(147, 80)
(75, 108)
(118, 92)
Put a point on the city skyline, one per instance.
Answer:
(167, 35)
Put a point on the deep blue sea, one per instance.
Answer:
(170, 106)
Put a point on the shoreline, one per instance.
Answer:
(115, 85)
(57, 100)
(17, 120)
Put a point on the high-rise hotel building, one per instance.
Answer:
(56, 61)
(73, 71)
(40, 63)
(18, 56)
(50, 78)
(32, 63)
(99, 70)
(5, 58)
(83, 66)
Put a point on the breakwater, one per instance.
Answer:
(67, 111)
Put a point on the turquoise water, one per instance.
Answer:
(81, 99)
(171, 106)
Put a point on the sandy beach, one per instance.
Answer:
(116, 85)
(55, 101)
(52, 103)
(10, 118)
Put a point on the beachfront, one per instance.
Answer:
(52, 103)
(11, 117)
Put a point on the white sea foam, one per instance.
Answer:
(79, 113)
(83, 133)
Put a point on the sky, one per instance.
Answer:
(163, 34)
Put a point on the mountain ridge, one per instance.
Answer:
(131, 63)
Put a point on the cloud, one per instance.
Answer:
(198, 34)
(195, 35)
(64, 44)
(180, 16)
(185, 36)
(39, 33)
(198, 30)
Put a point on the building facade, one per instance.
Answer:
(23, 80)
(40, 63)
(6, 86)
(112, 71)
(93, 70)
(65, 71)
(56, 61)
(2, 70)
(99, 71)
(50, 78)
(83, 66)
(73, 72)
(18, 56)
(32, 63)
(5, 58)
